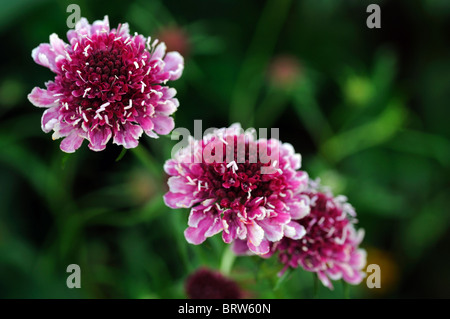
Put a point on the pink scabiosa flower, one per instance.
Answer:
(231, 187)
(108, 85)
(330, 246)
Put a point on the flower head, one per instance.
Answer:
(231, 187)
(108, 84)
(330, 245)
(208, 284)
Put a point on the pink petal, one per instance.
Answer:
(195, 217)
(43, 55)
(166, 107)
(100, 25)
(197, 235)
(255, 234)
(128, 135)
(72, 142)
(299, 207)
(145, 122)
(261, 249)
(98, 138)
(163, 124)
(177, 200)
(159, 52)
(174, 64)
(294, 230)
(272, 231)
(58, 45)
(240, 248)
(41, 98)
(325, 280)
(179, 184)
(170, 167)
(82, 28)
(49, 119)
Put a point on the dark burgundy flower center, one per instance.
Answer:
(105, 79)
(234, 184)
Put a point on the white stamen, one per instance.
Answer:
(143, 86)
(85, 118)
(75, 47)
(117, 39)
(79, 74)
(86, 49)
(85, 92)
(191, 181)
(57, 94)
(233, 166)
(321, 220)
(103, 106)
(223, 141)
(136, 65)
(129, 106)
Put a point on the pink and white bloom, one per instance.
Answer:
(108, 85)
(231, 195)
(330, 246)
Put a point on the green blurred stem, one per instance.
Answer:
(310, 113)
(228, 258)
(315, 286)
(375, 132)
(346, 289)
(260, 50)
(147, 159)
(271, 108)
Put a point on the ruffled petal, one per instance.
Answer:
(42, 98)
(174, 65)
(72, 142)
(98, 138)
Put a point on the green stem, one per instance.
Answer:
(346, 289)
(147, 159)
(315, 286)
(227, 261)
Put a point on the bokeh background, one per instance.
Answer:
(368, 109)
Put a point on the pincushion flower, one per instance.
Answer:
(330, 246)
(241, 194)
(108, 85)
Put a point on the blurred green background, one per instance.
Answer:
(368, 109)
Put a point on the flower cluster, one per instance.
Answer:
(330, 245)
(264, 207)
(111, 85)
(108, 85)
